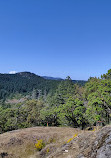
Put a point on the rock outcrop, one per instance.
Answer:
(98, 147)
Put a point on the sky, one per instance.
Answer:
(56, 38)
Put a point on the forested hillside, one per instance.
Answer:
(25, 83)
(28, 83)
(69, 105)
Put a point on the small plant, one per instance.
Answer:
(72, 138)
(47, 150)
(75, 135)
(40, 144)
(69, 140)
(94, 129)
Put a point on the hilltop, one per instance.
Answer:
(61, 142)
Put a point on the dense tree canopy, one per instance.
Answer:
(58, 103)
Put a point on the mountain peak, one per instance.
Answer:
(26, 74)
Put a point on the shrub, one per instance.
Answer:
(40, 144)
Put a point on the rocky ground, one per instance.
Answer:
(60, 142)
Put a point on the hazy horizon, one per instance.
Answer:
(15, 72)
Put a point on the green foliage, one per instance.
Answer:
(98, 95)
(70, 104)
(24, 83)
(21, 115)
(65, 108)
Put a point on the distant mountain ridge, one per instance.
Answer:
(25, 82)
(30, 74)
(80, 82)
(52, 78)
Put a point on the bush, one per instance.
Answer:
(40, 144)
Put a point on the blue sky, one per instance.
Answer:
(56, 37)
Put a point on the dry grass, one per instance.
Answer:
(21, 143)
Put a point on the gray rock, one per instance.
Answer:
(105, 150)
(102, 145)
